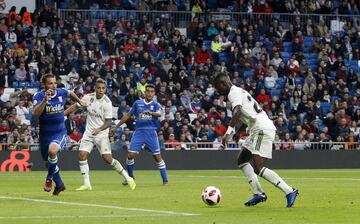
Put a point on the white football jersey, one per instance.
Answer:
(252, 115)
(97, 111)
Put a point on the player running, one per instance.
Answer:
(98, 121)
(258, 146)
(49, 111)
(147, 114)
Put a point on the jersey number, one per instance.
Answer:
(257, 108)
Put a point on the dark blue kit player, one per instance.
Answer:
(49, 106)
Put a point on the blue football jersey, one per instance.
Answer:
(144, 121)
(52, 120)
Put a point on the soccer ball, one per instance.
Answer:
(211, 195)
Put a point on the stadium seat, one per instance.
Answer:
(333, 75)
(299, 80)
(223, 57)
(275, 92)
(354, 63)
(248, 74)
(325, 107)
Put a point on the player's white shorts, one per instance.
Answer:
(102, 143)
(260, 143)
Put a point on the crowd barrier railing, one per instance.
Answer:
(182, 19)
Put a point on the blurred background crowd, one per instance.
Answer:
(304, 74)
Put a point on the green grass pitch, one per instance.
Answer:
(326, 196)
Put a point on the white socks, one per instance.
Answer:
(84, 168)
(252, 178)
(275, 179)
(116, 165)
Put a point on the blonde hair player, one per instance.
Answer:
(98, 121)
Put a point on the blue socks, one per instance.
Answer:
(130, 166)
(162, 168)
(53, 171)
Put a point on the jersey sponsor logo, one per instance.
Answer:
(60, 99)
(94, 114)
(145, 116)
(151, 107)
(58, 108)
(91, 100)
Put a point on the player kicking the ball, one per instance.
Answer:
(258, 146)
(98, 121)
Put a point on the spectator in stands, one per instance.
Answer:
(263, 99)
(287, 143)
(75, 136)
(10, 37)
(343, 129)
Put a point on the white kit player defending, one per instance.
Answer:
(98, 121)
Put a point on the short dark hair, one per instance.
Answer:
(45, 77)
(150, 86)
(220, 78)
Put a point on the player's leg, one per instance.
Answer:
(55, 147)
(248, 171)
(152, 142)
(53, 168)
(137, 142)
(264, 148)
(244, 157)
(130, 163)
(104, 148)
(162, 167)
(44, 149)
(86, 145)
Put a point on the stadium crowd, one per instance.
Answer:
(345, 7)
(305, 76)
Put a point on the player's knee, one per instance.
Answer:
(82, 155)
(53, 150)
(257, 168)
(130, 155)
(107, 158)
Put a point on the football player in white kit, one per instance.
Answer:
(98, 121)
(258, 146)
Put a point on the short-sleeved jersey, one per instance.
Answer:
(52, 118)
(144, 121)
(252, 115)
(98, 111)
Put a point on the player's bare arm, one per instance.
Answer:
(155, 113)
(105, 126)
(233, 122)
(77, 99)
(72, 109)
(40, 108)
(124, 118)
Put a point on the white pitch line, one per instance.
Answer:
(80, 216)
(292, 178)
(100, 206)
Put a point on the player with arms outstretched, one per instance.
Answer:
(258, 146)
(98, 121)
(147, 114)
(49, 111)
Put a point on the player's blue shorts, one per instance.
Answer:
(145, 137)
(59, 139)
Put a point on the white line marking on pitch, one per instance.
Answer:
(100, 206)
(293, 178)
(80, 216)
